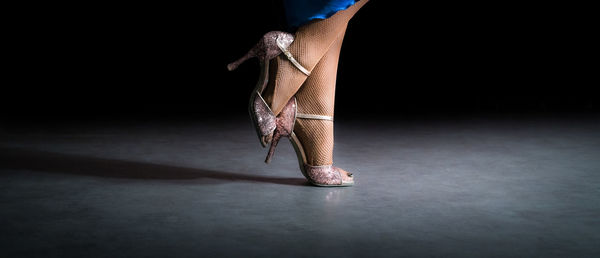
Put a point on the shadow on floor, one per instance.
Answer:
(13, 158)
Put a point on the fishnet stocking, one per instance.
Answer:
(317, 96)
(311, 43)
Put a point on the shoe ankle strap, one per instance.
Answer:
(315, 117)
(291, 58)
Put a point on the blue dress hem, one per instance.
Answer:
(300, 12)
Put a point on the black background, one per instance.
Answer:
(93, 61)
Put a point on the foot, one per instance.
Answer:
(346, 176)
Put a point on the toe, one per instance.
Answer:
(346, 176)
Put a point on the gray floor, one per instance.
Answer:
(527, 187)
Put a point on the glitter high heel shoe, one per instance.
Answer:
(268, 47)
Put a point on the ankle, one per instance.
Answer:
(316, 137)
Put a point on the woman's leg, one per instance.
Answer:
(317, 97)
(311, 43)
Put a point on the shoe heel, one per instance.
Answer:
(234, 65)
(284, 126)
(274, 142)
(267, 48)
